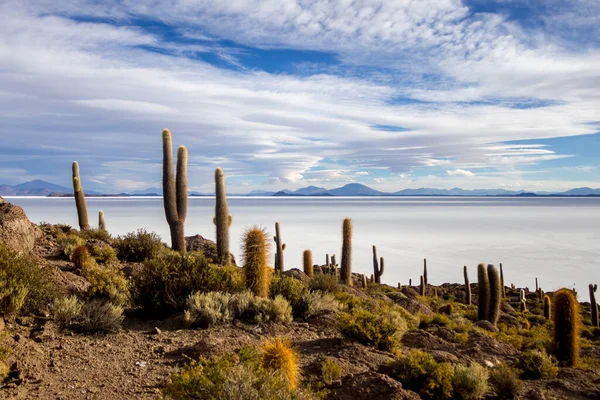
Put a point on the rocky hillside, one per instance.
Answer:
(89, 316)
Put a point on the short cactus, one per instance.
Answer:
(346, 270)
(372, 278)
(308, 264)
(567, 323)
(541, 294)
(255, 249)
(101, 221)
(593, 304)
(222, 219)
(467, 287)
(425, 272)
(327, 260)
(364, 281)
(495, 294)
(483, 305)
(175, 194)
(522, 295)
(82, 214)
(422, 286)
(280, 248)
(333, 262)
(547, 307)
(377, 268)
(536, 285)
(523, 306)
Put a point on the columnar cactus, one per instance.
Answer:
(222, 219)
(495, 294)
(333, 263)
(101, 221)
(483, 282)
(372, 278)
(280, 248)
(327, 260)
(566, 327)
(377, 268)
(255, 248)
(422, 286)
(175, 195)
(346, 270)
(523, 306)
(536, 285)
(502, 282)
(547, 307)
(425, 271)
(522, 295)
(593, 304)
(308, 264)
(410, 282)
(82, 214)
(364, 281)
(467, 287)
(541, 294)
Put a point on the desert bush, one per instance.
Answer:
(505, 382)
(382, 329)
(107, 282)
(536, 364)
(138, 246)
(69, 242)
(460, 325)
(81, 257)
(207, 309)
(25, 287)
(419, 372)
(324, 283)
(470, 382)
(67, 310)
(315, 303)
(434, 319)
(166, 281)
(279, 356)
(103, 254)
(95, 234)
(330, 371)
(234, 376)
(291, 289)
(100, 316)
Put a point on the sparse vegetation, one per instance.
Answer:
(536, 364)
(470, 382)
(138, 246)
(505, 382)
(419, 372)
(330, 371)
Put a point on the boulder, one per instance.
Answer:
(414, 307)
(296, 274)
(206, 246)
(486, 325)
(16, 231)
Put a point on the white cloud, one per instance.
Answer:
(460, 172)
(361, 173)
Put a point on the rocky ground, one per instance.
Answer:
(134, 363)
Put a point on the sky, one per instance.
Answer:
(392, 94)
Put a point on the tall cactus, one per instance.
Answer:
(82, 214)
(101, 221)
(502, 282)
(425, 271)
(536, 285)
(467, 287)
(484, 293)
(333, 262)
(255, 248)
(175, 194)
(222, 219)
(422, 286)
(547, 307)
(280, 248)
(308, 264)
(593, 304)
(566, 327)
(327, 260)
(377, 268)
(346, 270)
(495, 294)
(522, 295)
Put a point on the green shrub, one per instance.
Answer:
(103, 254)
(434, 319)
(505, 382)
(166, 281)
(381, 329)
(536, 364)
(69, 242)
(67, 311)
(138, 246)
(460, 324)
(470, 382)
(25, 287)
(207, 309)
(107, 282)
(291, 289)
(100, 316)
(324, 283)
(95, 234)
(330, 371)
(232, 377)
(419, 372)
(315, 303)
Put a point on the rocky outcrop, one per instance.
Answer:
(16, 231)
(206, 246)
(2, 200)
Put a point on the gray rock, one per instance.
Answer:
(486, 325)
(16, 231)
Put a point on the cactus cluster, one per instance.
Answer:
(280, 247)
(82, 214)
(175, 193)
(346, 267)
(567, 323)
(377, 268)
(222, 219)
(594, 304)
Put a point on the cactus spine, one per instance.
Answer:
(175, 196)
(502, 282)
(308, 264)
(425, 271)
(255, 248)
(82, 214)
(422, 286)
(280, 249)
(484, 293)
(566, 327)
(593, 304)
(346, 270)
(101, 221)
(467, 287)
(222, 218)
(495, 294)
(377, 269)
(547, 306)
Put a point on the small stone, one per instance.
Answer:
(157, 331)
(141, 364)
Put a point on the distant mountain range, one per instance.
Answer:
(41, 188)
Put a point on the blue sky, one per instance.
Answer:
(286, 94)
